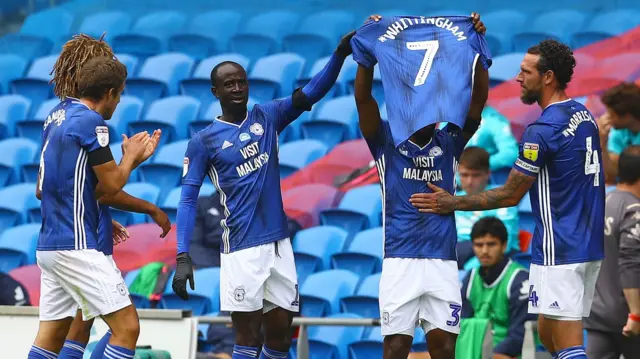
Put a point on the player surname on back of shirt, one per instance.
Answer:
(403, 23)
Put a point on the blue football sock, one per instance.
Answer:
(72, 350)
(39, 353)
(116, 352)
(553, 355)
(576, 352)
(240, 352)
(98, 350)
(272, 354)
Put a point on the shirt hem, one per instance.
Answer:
(63, 248)
(572, 261)
(267, 240)
(414, 256)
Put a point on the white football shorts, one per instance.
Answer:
(80, 279)
(259, 278)
(563, 292)
(419, 292)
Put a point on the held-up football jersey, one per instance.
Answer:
(242, 162)
(105, 230)
(562, 149)
(69, 206)
(427, 67)
(405, 170)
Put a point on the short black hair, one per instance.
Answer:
(556, 57)
(629, 165)
(214, 71)
(491, 226)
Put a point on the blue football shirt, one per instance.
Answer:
(69, 206)
(105, 230)
(242, 162)
(562, 149)
(405, 170)
(427, 67)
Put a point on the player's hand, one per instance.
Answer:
(152, 145)
(162, 220)
(184, 273)
(374, 17)
(120, 234)
(440, 201)
(477, 23)
(631, 328)
(135, 146)
(344, 47)
(604, 128)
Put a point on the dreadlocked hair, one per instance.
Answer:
(75, 53)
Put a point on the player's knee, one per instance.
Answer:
(127, 325)
(443, 350)
(397, 346)
(80, 331)
(279, 340)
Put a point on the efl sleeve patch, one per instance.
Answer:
(102, 132)
(530, 151)
(185, 166)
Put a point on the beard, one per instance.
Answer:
(530, 96)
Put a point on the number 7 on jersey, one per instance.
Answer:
(431, 47)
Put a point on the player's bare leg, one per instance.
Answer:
(125, 327)
(51, 334)
(396, 346)
(247, 326)
(545, 332)
(277, 329)
(566, 334)
(441, 344)
(80, 331)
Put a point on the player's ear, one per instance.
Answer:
(548, 77)
(213, 91)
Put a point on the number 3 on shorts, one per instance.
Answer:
(455, 314)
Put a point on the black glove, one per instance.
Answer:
(184, 272)
(344, 47)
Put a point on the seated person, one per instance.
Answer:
(498, 290)
(474, 171)
(494, 135)
(207, 233)
(12, 292)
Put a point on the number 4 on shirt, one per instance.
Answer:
(431, 47)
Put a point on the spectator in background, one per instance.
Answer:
(474, 171)
(619, 126)
(613, 328)
(207, 233)
(497, 291)
(494, 136)
(12, 292)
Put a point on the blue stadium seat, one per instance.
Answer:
(502, 23)
(359, 209)
(13, 108)
(313, 247)
(321, 292)
(365, 301)
(110, 23)
(298, 154)
(605, 25)
(15, 200)
(204, 299)
(211, 113)
(348, 71)
(159, 76)
(18, 246)
(145, 191)
(335, 121)
(274, 76)
(364, 255)
(166, 169)
(130, 62)
(199, 85)
(141, 302)
(129, 110)
(559, 25)
(505, 68)
(170, 203)
(15, 153)
(331, 342)
(31, 127)
(318, 34)
(13, 67)
(150, 33)
(527, 218)
(262, 34)
(368, 347)
(207, 34)
(39, 32)
(35, 85)
(170, 114)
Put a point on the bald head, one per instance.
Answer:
(223, 68)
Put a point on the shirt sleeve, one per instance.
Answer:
(195, 162)
(617, 141)
(479, 44)
(91, 131)
(518, 307)
(533, 149)
(457, 139)
(380, 140)
(362, 45)
(629, 250)
(281, 112)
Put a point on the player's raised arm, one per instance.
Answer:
(368, 111)
(479, 96)
(126, 202)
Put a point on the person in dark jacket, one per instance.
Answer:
(12, 292)
(207, 233)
